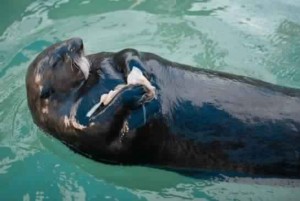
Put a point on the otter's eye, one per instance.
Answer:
(72, 49)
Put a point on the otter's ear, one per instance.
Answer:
(46, 91)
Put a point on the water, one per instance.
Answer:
(256, 38)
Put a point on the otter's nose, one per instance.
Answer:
(76, 43)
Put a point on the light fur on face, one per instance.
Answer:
(83, 63)
(45, 110)
(71, 121)
(38, 78)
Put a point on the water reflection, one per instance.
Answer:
(14, 13)
(284, 58)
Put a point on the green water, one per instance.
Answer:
(257, 38)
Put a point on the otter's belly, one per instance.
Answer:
(250, 123)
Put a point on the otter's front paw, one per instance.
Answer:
(136, 77)
(134, 96)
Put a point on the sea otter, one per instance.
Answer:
(199, 120)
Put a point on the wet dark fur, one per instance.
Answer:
(201, 119)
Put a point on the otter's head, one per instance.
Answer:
(60, 68)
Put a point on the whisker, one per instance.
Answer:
(72, 63)
(83, 64)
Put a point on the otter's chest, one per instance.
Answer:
(91, 93)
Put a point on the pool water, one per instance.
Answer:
(256, 38)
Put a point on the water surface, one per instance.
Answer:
(256, 38)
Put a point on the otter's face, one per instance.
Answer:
(59, 68)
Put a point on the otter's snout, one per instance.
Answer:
(75, 44)
(76, 53)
